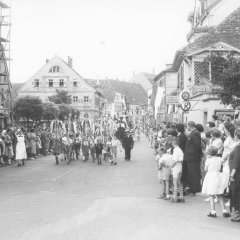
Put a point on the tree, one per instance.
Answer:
(62, 97)
(225, 73)
(65, 110)
(29, 108)
(51, 111)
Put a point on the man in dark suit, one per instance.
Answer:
(128, 144)
(192, 156)
(182, 143)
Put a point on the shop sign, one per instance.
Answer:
(172, 99)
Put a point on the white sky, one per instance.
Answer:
(105, 38)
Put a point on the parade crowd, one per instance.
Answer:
(68, 140)
(191, 160)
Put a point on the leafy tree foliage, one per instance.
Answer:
(65, 110)
(28, 108)
(51, 111)
(62, 97)
(68, 110)
(225, 72)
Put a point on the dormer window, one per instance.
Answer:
(61, 83)
(55, 69)
(36, 83)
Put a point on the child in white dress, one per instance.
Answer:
(116, 145)
(164, 171)
(212, 181)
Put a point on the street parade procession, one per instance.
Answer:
(119, 120)
(69, 140)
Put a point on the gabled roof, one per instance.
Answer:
(228, 32)
(75, 71)
(49, 63)
(134, 93)
(162, 73)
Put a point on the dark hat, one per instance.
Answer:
(86, 115)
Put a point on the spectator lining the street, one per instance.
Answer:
(192, 155)
(212, 181)
(21, 153)
(177, 158)
(164, 160)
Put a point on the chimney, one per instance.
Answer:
(70, 62)
(47, 60)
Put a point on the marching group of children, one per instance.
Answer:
(98, 149)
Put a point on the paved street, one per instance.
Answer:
(84, 201)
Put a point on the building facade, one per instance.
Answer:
(194, 72)
(215, 29)
(166, 99)
(57, 74)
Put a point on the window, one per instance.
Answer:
(75, 84)
(75, 100)
(55, 69)
(61, 83)
(36, 83)
(86, 99)
(201, 73)
(50, 82)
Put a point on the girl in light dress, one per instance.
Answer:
(164, 160)
(212, 181)
(116, 146)
(217, 142)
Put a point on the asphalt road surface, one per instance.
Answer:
(84, 201)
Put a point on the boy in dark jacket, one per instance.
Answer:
(98, 150)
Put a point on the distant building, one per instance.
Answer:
(166, 100)
(144, 79)
(57, 74)
(122, 97)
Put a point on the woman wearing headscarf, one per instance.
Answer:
(21, 153)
